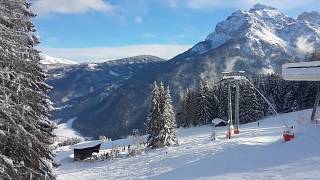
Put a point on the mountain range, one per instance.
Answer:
(112, 98)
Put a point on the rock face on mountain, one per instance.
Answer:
(257, 41)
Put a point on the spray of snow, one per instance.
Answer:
(267, 70)
(230, 62)
(304, 46)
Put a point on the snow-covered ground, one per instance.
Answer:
(257, 153)
(66, 130)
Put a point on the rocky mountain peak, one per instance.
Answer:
(260, 6)
(312, 17)
(265, 24)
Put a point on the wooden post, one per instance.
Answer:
(316, 104)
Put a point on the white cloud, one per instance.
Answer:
(44, 7)
(138, 20)
(244, 4)
(99, 54)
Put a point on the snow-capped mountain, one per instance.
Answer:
(310, 17)
(264, 32)
(53, 62)
(259, 40)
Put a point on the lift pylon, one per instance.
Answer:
(233, 78)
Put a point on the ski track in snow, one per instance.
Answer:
(257, 153)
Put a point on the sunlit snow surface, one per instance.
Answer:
(257, 153)
(66, 130)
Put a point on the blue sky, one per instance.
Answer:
(97, 30)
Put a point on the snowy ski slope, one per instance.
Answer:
(257, 153)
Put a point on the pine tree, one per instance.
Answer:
(221, 92)
(188, 109)
(249, 106)
(276, 91)
(307, 94)
(161, 125)
(168, 134)
(153, 117)
(214, 100)
(25, 131)
(289, 100)
(203, 109)
(259, 83)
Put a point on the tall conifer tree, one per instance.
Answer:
(161, 125)
(25, 131)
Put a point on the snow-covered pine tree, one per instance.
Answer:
(250, 110)
(168, 132)
(276, 90)
(214, 100)
(203, 109)
(25, 131)
(260, 83)
(221, 91)
(161, 125)
(153, 117)
(307, 93)
(290, 100)
(188, 108)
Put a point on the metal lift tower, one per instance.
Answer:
(233, 78)
(304, 71)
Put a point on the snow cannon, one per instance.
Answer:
(230, 132)
(288, 135)
(236, 131)
(228, 135)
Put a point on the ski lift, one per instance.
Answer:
(302, 71)
(234, 126)
(233, 77)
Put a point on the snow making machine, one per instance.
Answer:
(303, 71)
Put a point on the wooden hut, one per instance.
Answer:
(81, 154)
